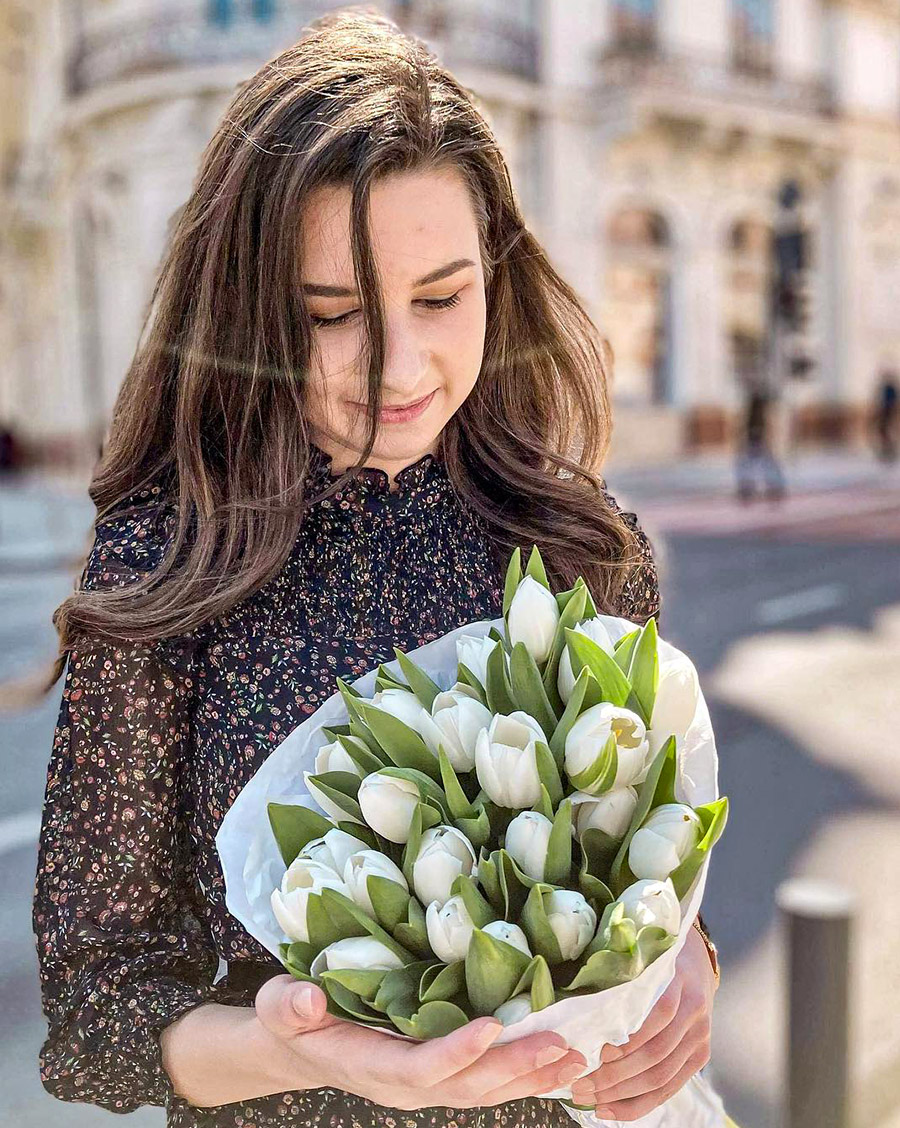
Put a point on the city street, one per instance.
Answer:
(792, 615)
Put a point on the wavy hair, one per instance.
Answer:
(212, 405)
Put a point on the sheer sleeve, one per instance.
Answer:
(120, 952)
(640, 597)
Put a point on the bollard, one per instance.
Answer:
(818, 916)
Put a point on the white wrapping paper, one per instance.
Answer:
(252, 866)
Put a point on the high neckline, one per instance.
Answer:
(372, 480)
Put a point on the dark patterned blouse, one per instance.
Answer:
(154, 742)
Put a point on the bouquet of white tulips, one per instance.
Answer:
(514, 820)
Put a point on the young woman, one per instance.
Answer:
(360, 387)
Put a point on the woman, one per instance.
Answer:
(269, 519)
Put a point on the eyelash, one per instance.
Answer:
(432, 303)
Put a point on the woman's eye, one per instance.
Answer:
(430, 303)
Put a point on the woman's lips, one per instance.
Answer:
(402, 414)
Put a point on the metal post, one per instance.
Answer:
(818, 917)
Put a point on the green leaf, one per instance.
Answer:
(575, 707)
(294, 825)
(539, 982)
(428, 789)
(403, 745)
(643, 671)
(387, 679)
(420, 683)
(466, 677)
(558, 863)
(389, 900)
(431, 1020)
(548, 771)
(335, 897)
(599, 851)
(658, 784)
(571, 614)
(513, 579)
(651, 942)
(350, 1003)
(535, 568)
(442, 981)
(413, 844)
(493, 968)
(476, 829)
(413, 933)
(400, 988)
(364, 834)
(322, 929)
(336, 786)
(537, 927)
(606, 969)
(364, 983)
(528, 688)
(497, 688)
(457, 800)
(583, 651)
(477, 906)
(544, 806)
(362, 732)
(713, 816)
(624, 649)
(361, 754)
(595, 891)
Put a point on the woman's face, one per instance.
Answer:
(425, 242)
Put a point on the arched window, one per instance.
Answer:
(634, 24)
(637, 306)
(753, 35)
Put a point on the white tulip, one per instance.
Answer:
(514, 1009)
(669, 834)
(406, 707)
(333, 849)
(587, 738)
(595, 630)
(677, 697)
(465, 690)
(335, 758)
(653, 902)
(444, 854)
(303, 877)
(533, 617)
(449, 929)
(572, 921)
(509, 934)
(357, 953)
(363, 864)
(388, 804)
(473, 652)
(527, 837)
(610, 812)
(459, 718)
(328, 806)
(505, 759)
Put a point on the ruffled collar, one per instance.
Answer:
(372, 480)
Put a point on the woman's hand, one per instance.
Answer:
(671, 1046)
(458, 1070)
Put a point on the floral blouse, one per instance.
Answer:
(154, 742)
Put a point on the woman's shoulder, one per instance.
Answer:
(131, 540)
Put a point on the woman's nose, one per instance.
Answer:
(405, 359)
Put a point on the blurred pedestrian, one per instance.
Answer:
(886, 412)
(755, 455)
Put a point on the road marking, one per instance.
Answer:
(792, 606)
(19, 830)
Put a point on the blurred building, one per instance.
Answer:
(649, 141)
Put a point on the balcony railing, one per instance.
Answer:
(191, 33)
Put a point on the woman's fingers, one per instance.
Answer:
(436, 1060)
(633, 1108)
(658, 1019)
(657, 1049)
(554, 1076)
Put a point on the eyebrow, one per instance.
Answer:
(319, 290)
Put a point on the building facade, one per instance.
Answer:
(649, 142)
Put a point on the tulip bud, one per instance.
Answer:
(328, 805)
(677, 697)
(587, 739)
(333, 849)
(593, 629)
(335, 758)
(653, 902)
(509, 934)
(449, 928)
(459, 719)
(572, 920)
(359, 953)
(406, 707)
(473, 652)
(527, 838)
(444, 854)
(302, 878)
(514, 1009)
(610, 812)
(668, 835)
(388, 804)
(505, 759)
(533, 617)
(363, 864)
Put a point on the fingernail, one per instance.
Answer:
(549, 1054)
(605, 1113)
(303, 1001)
(489, 1032)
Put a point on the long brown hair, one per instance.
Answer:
(213, 402)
